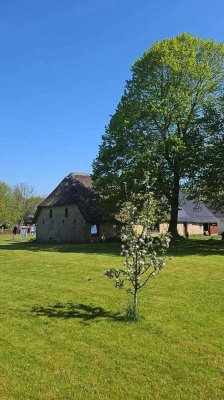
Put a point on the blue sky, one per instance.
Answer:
(63, 67)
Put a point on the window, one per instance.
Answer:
(155, 228)
(94, 230)
(50, 214)
(43, 221)
(52, 225)
(66, 212)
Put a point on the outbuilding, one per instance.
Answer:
(193, 219)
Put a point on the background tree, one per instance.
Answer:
(26, 201)
(17, 204)
(159, 124)
(7, 204)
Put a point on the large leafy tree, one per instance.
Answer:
(159, 124)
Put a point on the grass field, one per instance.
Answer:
(63, 335)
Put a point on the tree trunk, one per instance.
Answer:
(175, 202)
(135, 308)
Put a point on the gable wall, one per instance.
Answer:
(55, 230)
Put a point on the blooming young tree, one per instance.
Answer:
(143, 252)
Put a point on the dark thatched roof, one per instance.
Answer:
(76, 189)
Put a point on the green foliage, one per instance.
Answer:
(17, 204)
(7, 205)
(23, 194)
(207, 185)
(159, 124)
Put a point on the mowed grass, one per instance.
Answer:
(63, 335)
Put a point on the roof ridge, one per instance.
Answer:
(78, 174)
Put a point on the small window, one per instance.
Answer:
(66, 212)
(94, 230)
(43, 221)
(50, 214)
(74, 221)
(155, 228)
(63, 221)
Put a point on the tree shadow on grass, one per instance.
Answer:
(78, 311)
(87, 248)
(179, 247)
(196, 246)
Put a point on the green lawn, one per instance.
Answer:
(63, 335)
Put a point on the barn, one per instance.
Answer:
(71, 213)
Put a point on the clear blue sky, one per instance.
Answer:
(63, 66)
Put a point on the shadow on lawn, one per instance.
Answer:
(90, 248)
(180, 247)
(203, 247)
(80, 311)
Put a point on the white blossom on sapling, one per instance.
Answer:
(143, 253)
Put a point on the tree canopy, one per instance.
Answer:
(207, 184)
(7, 205)
(17, 204)
(161, 122)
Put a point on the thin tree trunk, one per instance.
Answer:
(136, 287)
(135, 303)
(175, 202)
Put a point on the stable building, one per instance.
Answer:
(194, 219)
(71, 213)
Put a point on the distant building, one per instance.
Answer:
(71, 213)
(194, 219)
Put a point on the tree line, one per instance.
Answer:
(18, 203)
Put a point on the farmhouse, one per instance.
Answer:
(194, 219)
(71, 213)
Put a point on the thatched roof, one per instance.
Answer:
(76, 189)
